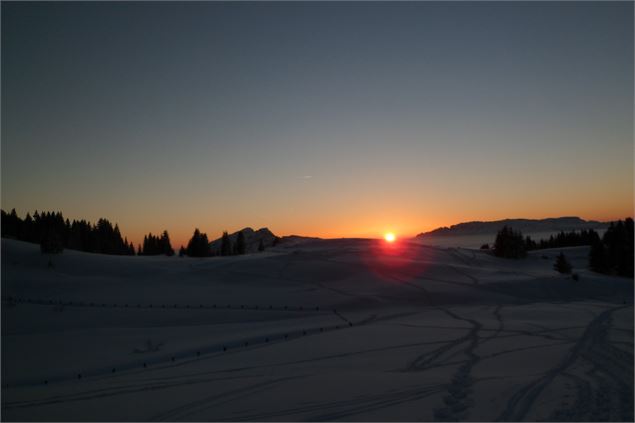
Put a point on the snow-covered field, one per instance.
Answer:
(317, 330)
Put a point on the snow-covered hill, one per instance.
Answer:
(354, 330)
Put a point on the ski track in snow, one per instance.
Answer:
(592, 379)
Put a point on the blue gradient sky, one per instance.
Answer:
(327, 119)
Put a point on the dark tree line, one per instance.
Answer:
(613, 254)
(512, 244)
(156, 245)
(238, 248)
(564, 239)
(54, 233)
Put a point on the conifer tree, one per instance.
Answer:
(509, 244)
(225, 245)
(51, 242)
(28, 233)
(166, 247)
(14, 224)
(240, 243)
(198, 246)
(562, 265)
(193, 242)
(597, 257)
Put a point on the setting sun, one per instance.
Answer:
(390, 237)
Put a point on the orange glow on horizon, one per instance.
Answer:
(374, 224)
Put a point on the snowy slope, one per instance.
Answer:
(316, 330)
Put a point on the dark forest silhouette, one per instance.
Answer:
(199, 245)
(613, 254)
(156, 245)
(54, 233)
(610, 254)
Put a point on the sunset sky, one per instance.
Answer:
(321, 119)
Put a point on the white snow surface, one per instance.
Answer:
(347, 329)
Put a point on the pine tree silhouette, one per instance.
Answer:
(240, 243)
(166, 247)
(198, 246)
(225, 245)
(509, 244)
(597, 257)
(562, 265)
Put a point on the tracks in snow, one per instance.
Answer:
(595, 349)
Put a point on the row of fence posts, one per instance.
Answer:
(224, 348)
(173, 358)
(163, 306)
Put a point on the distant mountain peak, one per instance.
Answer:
(252, 239)
(555, 224)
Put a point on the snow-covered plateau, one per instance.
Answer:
(346, 329)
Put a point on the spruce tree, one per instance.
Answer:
(198, 246)
(626, 252)
(597, 257)
(166, 247)
(13, 227)
(28, 233)
(192, 244)
(562, 265)
(240, 243)
(51, 242)
(509, 244)
(225, 245)
(203, 247)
